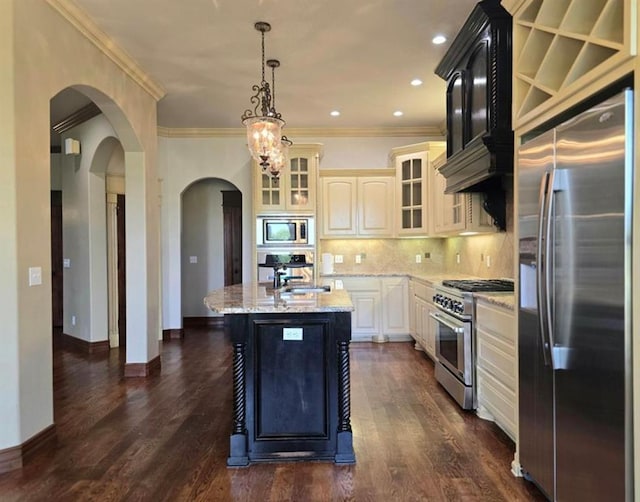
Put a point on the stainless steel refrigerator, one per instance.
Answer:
(574, 213)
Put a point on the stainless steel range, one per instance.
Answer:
(455, 340)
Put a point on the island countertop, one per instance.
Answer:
(257, 297)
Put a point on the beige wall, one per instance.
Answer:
(41, 54)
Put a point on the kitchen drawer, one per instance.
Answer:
(499, 401)
(423, 291)
(361, 283)
(497, 320)
(496, 356)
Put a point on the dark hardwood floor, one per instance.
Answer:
(166, 437)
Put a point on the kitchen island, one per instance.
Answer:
(291, 382)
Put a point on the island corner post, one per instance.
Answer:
(291, 387)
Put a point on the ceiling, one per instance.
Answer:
(355, 56)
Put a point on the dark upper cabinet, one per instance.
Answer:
(455, 121)
(477, 69)
(477, 102)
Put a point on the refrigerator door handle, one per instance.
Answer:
(548, 245)
(540, 268)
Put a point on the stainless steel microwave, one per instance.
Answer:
(281, 231)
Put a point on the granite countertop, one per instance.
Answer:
(505, 300)
(262, 298)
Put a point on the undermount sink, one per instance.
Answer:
(305, 288)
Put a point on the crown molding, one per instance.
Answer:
(383, 171)
(432, 133)
(426, 146)
(87, 27)
(201, 132)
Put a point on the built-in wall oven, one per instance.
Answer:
(455, 340)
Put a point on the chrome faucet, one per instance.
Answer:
(281, 279)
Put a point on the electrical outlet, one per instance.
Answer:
(418, 258)
(338, 284)
(358, 258)
(458, 258)
(193, 259)
(73, 320)
(488, 261)
(338, 258)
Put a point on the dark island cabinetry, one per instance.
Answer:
(291, 387)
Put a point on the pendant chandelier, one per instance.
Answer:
(264, 124)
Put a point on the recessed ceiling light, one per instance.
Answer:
(439, 39)
(335, 113)
(416, 82)
(398, 113)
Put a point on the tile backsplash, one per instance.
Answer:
(385, 255)
(484, 256)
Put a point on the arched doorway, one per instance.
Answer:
(211, 244)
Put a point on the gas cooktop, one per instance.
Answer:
(479, 285)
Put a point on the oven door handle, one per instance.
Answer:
(441, 319)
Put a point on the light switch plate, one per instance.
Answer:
(418, 258)
(358, 258)
(294, 334)
(35, 276)
(193, 259)
(66, 263)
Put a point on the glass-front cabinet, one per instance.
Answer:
(412, 188)
(295, 190)
(412, 164)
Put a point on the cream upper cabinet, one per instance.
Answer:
(454, 214)
(412, 165)
(375, 206)
(338, 206)
(295, 190)
(356, 206)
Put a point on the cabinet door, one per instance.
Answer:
(339, 206)
(412, 309)
(269, 192)
(430, 331)
(418, 308)
(455, 117)
(395, 311)
(365, 319)
(375, 206)
(477, 113)
(449, 210)
(295, 190)
(300, 189)
(412, 177)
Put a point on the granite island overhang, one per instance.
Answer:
(291, 379)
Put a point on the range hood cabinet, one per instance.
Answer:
(477, 69)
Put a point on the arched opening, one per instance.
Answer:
(211, 244)
(94, 150)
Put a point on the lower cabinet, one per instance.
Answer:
(424, 327)
(381, 309)
(496, 369)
